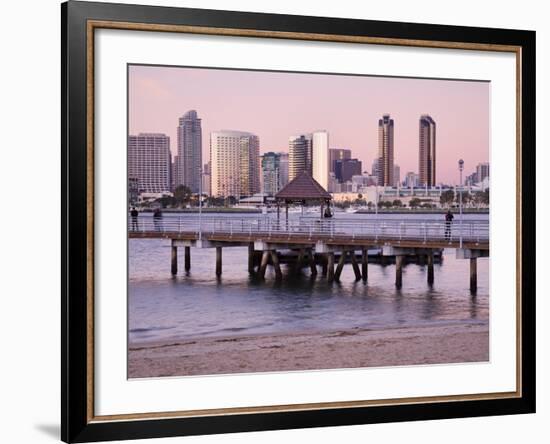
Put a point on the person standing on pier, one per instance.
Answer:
(134, 214)
(157, 219)
(448, 222)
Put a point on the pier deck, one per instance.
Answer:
(314, 237)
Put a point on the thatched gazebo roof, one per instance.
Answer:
(303, 188)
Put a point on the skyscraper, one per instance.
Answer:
(411, 179)
(175, 180)
(234, 162)
(189, 151)
(346, 168)
(299, 155)
(337, 154)
(149, 162)
(283, 168)
(385, 151)
(271, 173)
(482, 171)
(396, 175)
(250, 165)
(320, 158)
(426, 151)
(374, 171)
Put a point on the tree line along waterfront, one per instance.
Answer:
(184, 199)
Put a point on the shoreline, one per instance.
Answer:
(354, 348)
(438, 211)
(237, 210)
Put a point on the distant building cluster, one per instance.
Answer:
(480, 176)
(236, 168)
(150, 162)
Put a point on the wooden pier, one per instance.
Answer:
(311, 243)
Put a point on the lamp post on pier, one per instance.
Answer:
(376, 202)
(460, 169)
(200, 202)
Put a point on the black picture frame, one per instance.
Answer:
(77, 425)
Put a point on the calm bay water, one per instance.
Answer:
(197, 304)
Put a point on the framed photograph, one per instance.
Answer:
(275, 221)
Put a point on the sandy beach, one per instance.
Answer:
(308, 351)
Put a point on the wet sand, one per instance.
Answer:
(310, 351)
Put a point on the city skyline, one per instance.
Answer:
(348, 107)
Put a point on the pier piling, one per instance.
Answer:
(312, 265)
(174, 267)
(330, 267)
(324, 265)
(430, 258)
(365, 263)
(340, 266)
(399, 271)
(263, 264)
(187, 262)
(299, 262)
(276, 265)
(218, 261)
(473, 275)
(251, 257)
(355, 265)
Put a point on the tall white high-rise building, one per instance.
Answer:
(189, 158)
(234, 163)
(299, 155)
(385, 151)
(149, 162)
(320, 158)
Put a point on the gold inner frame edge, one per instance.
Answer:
(92, 25)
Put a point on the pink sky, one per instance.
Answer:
(275, 106)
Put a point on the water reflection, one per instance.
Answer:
(197, 303)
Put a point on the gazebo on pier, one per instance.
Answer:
(303, 190)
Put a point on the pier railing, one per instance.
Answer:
(314, 228)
